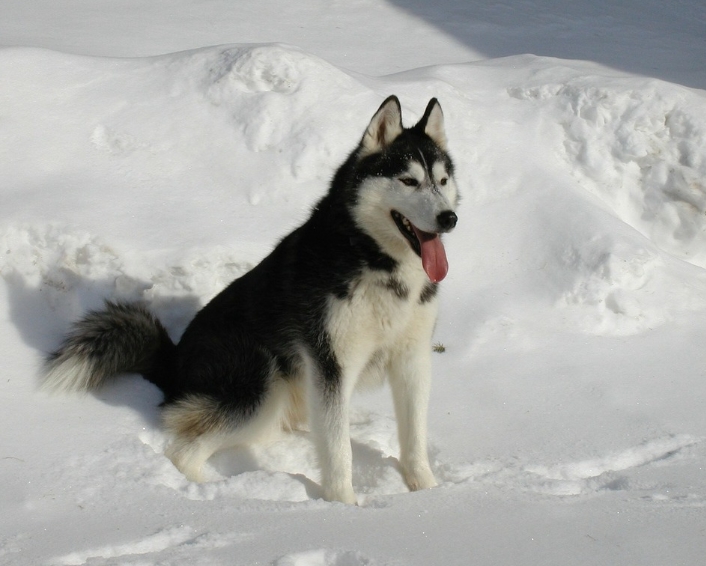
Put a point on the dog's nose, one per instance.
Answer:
(446, 220)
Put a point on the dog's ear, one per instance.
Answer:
(385, 126)
(432, 123)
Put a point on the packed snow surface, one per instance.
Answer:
(567, 419)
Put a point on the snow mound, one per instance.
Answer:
(586, 189)
(610, 280)
(271, 92)
(639, 146)
(259, 108)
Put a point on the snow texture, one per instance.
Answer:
(566, 421)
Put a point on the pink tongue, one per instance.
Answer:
(433, 255)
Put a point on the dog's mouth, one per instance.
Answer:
(427, 245)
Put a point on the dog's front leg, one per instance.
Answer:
(410, 377)
(331, 428)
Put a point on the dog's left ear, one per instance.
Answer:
(385, 126)
(432, 123)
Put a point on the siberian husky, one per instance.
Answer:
(347, 298)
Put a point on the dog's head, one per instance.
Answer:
(406, 193)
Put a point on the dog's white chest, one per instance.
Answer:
(381, 316)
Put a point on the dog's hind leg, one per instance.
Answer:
(198, 425)
(201, 425)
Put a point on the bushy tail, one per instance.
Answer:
(122, 338)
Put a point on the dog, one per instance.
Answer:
(348, 298)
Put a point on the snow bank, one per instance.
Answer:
(111, 157)
(137, 144)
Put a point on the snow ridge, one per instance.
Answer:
(151, 544)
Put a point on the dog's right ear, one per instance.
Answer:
(385, 126)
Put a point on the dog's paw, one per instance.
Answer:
(343, 494)
(184, 461)
(418, 477)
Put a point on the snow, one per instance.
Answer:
(566, 421)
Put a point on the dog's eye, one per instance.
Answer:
(409, 181)
(444, 181)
